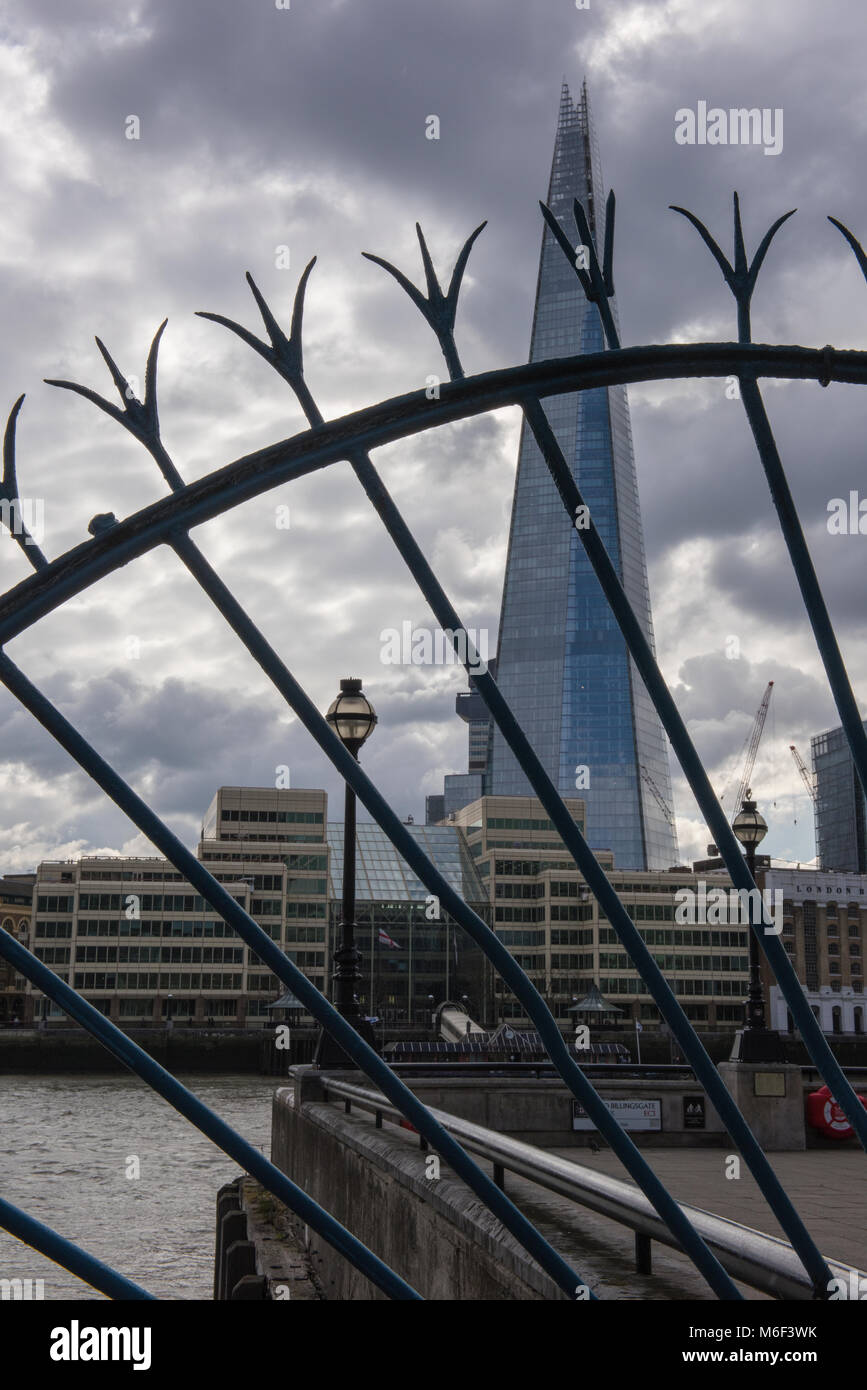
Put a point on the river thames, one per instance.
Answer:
(67, 1142)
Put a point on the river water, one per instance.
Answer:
(65, 1142)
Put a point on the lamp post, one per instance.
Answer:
(758, 1043)
(353, 718)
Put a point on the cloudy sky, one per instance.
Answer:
(304, 128)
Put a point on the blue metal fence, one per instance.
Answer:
(168, 522)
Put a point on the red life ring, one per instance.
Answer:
(826, 1116)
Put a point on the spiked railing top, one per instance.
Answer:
(9, 489)
(597, 283)
(860, 256)
(740, 277)
(284, 354)
(440, 310)
(140, 418)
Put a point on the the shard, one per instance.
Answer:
(562, 662)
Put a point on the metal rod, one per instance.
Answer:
(305, 453)
(502, 959)
(805, 573)
(70, 1256)
(204, 1119)
(195, 872)
(693, 769)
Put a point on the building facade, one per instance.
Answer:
(414, 955)
(143, 946)
(825, 935)
(841, 841)
(277, 840)
(16, 903)
(544, 912)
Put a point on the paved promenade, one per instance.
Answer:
(828, 1188)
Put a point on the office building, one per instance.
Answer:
(545, 913)
(841, 843)
(825, 935)
(145, 948)
(16, 902)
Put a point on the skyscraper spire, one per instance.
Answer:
(562, 663)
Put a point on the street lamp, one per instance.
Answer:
(353, 718)
(758, 1043)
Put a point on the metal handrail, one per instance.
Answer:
(763, 1262)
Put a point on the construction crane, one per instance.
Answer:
(761, 716)
(660, 799)
(806, 775)
(751, 747)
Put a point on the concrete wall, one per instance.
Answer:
(540, 1111)
(178, 1049)
(435, 1233)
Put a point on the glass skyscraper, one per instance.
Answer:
(841, 842)
(562, 663)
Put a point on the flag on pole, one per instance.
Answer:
(385, 940)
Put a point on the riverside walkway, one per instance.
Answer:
(824, 1185)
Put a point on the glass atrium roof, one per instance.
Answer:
(383, 876)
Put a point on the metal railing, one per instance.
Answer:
(168, 522)
(761, 1261)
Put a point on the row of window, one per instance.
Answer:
(146, 926)
(138, 902)
(213, 1008)
(99, 979)
(559, 912)
(165, 955)
(681, 937)
(618, 960)
(614, 984)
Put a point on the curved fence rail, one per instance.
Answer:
(168, 522)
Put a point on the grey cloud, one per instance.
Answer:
(327, 102)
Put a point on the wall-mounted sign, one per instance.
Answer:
(769, 1083)
(631, 1114)
(693, 1112)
